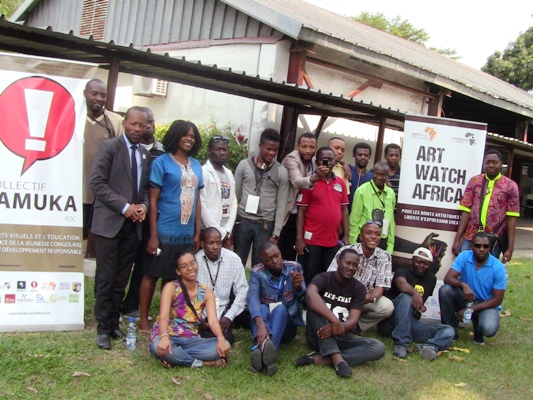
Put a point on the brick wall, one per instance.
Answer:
(93, 18)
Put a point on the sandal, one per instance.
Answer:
(165, 364)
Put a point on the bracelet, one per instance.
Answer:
(163, 335)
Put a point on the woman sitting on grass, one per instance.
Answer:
(177, 342)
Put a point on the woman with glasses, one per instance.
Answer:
(174, 211)
(175, 338)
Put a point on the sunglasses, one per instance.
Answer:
(370, 221)
(479, 246)
(218, 138)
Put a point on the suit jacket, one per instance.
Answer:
(112, 183)
(298, 177)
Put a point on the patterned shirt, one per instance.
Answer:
(182, 321)
(501, 200)
(224, 276)
(375, 271)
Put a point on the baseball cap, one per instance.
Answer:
(424, 254)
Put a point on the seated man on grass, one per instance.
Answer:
(275, 287)
(479, 277)
(410, 289)
(334, 304)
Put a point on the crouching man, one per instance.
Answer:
(275, 287)
(334, 304)
(410, 289)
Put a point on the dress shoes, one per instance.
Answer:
(117, 334)
(103, 341)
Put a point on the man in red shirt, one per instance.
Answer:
(322, 211)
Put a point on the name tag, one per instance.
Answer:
(272, 306)
(252, 204)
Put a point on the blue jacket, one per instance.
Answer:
(262, 291)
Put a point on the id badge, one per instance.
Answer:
(225, 210)
(272, 306)
(217, 306)
(252, 204)
(385, 228)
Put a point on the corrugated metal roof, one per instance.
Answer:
(47, 43)
(381, 48)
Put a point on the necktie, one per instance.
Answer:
(134, 173)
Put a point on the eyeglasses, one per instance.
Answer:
(479, 246)
(218, 138)
(371, 221)
(192, 264)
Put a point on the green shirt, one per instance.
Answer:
(367, 198)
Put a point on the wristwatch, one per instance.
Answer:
(275, 237)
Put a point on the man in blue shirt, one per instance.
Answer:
(475, 276)
(275, 287)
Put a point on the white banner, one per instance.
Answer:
(439, 157)
(41, 243)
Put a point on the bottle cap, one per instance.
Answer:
(132, 320)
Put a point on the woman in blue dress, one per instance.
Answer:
(174, 213)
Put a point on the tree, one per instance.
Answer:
(8, 7)
(515, 64)
(401, 28)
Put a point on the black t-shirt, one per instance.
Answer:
(422, 284)
(339, 298)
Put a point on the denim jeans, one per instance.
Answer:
(248, 234)
(353, 349)
(188, 351)
(279, 324)
(405, 329)
(452, 300)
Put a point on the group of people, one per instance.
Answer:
(321, 233)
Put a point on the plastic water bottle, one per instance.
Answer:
(467, 316)
(131, 336)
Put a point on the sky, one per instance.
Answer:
(475, 28)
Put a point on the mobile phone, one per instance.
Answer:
(325, 163)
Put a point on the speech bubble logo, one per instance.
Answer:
(39, 119)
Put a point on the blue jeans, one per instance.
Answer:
(405, 329)
(188, 351)
(279, 324)
(353, 349)
(452, 300)
(496, 251)
(253, 234)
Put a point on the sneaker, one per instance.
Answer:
(269, 357)
(479, 339)
(427, 351)
(308, 359)
(343, 370)
(257, 362)
(400, 351)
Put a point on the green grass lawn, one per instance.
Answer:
(41, 365)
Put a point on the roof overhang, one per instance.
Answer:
(47, 43)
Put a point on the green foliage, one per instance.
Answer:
(401, 28)
(515, 64)
(8, 7)
(238, 144)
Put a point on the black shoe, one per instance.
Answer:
(257, 361)
(103, 341)
(269, 357)
(308, 359)
(117, 334)
(343, 370)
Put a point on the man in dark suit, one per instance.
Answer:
(118, 177)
